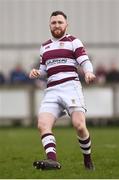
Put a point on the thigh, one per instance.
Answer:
(46, 120)
(73, 97)
(50, 104)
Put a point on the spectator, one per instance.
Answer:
(113, 74)
(101, 73)
(18, 75)
(2, 78)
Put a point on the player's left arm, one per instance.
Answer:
(83, 60)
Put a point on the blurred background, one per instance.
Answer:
(24, 25)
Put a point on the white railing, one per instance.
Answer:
(22, 102)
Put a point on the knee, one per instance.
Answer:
(79, 126)
(45, 123)
(40, 124)
(78, 120)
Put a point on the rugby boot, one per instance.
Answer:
(88, 164)
(47, 164)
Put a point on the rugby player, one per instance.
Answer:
(60, 56)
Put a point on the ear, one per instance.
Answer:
(49, 25)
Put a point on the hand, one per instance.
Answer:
(35, 73)
(89, 77)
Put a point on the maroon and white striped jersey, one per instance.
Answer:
(59, 59)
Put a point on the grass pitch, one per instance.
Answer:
(19, 147)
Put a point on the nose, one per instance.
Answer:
(57, 24)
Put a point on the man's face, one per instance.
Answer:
(58, 25)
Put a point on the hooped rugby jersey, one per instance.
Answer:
(59, 59)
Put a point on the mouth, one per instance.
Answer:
(57, 30)
(57, 33)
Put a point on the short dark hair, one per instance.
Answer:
(55, 13)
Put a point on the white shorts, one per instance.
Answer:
(66, 96)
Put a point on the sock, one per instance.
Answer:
(49, 144)
(85, 145)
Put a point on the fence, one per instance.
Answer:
(21, 104)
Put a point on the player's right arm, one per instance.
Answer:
(34, 73)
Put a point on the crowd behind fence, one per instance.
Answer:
(19, 75)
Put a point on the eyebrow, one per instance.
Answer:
(56, 21)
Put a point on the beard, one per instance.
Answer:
(58, 33)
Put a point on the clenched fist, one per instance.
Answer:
(35, 73)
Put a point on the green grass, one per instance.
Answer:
(19, 147)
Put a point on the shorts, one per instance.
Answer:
(66, 96)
